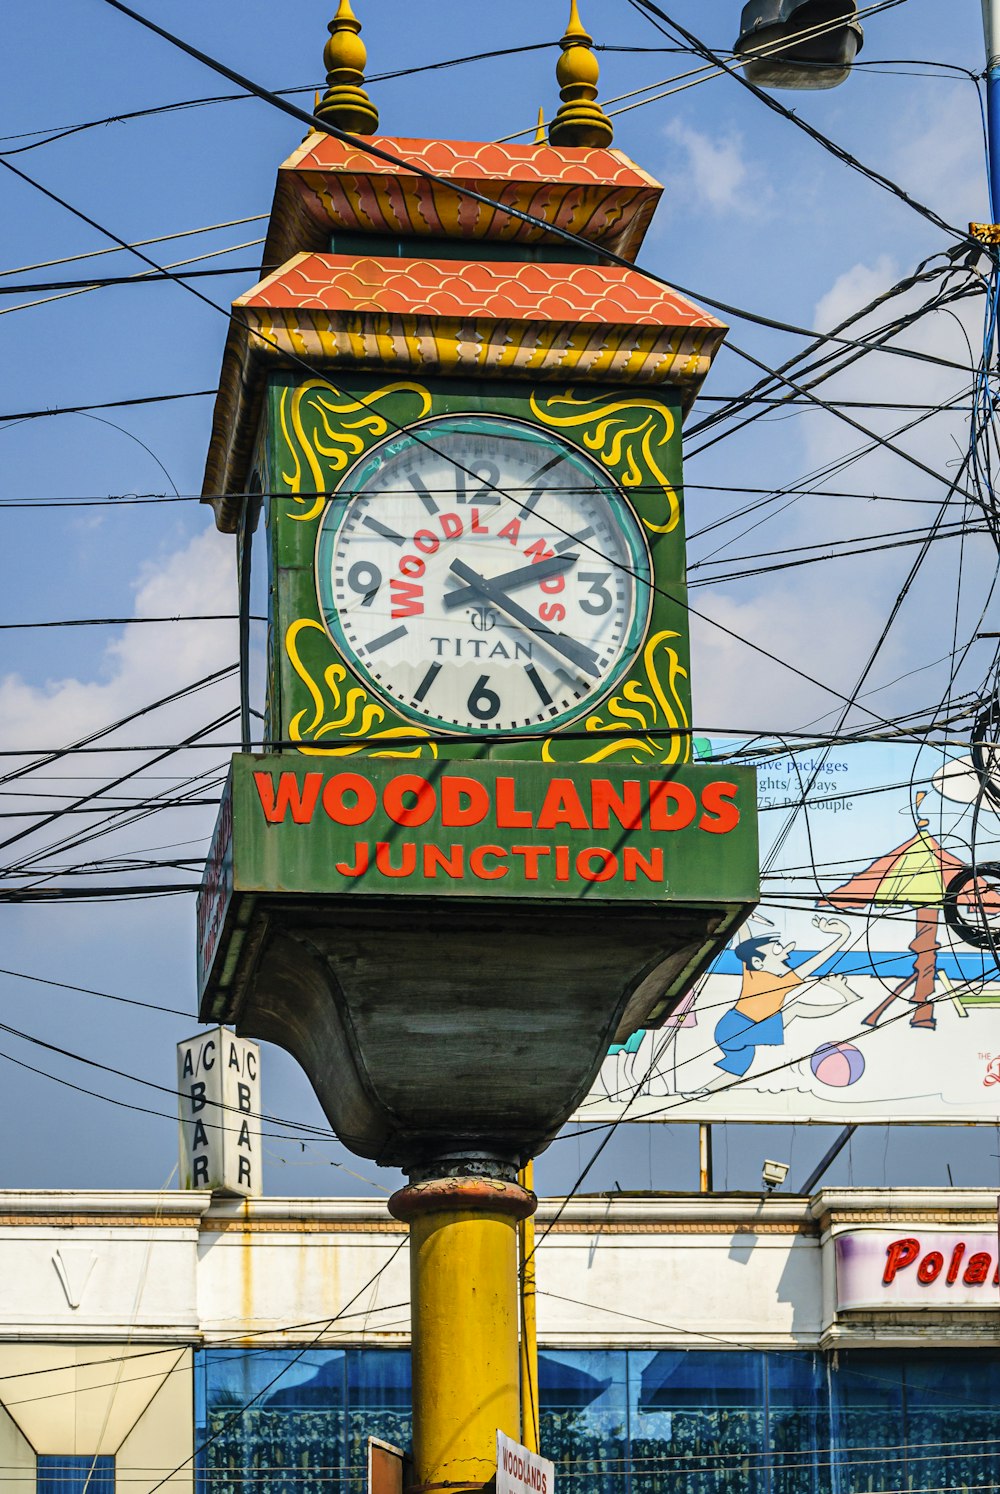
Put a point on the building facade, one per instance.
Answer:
(719, 1343)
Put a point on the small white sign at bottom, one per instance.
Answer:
(520, 1471)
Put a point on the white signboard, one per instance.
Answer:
(218, 1087)
(890, 1269)
(520, 1471)
(847, 996)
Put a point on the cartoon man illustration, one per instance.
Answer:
(758, 1019)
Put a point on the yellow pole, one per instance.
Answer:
(705, 1183)
(529, 1338)
(464, 1312)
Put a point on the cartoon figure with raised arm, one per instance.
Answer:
(759, 1017)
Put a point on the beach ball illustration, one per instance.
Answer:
(837, 1064)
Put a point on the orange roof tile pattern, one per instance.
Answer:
(328, 187)
(460, 159)
(609, 295)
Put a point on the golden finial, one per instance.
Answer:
(540, 131)
(580, 120)
(345, 103)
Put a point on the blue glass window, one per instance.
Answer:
(798, 1424)
(614, 1421)
(73, 1474)
(869, 1431)
(583, 1418)
(379, 1397)
(952, 1406)
(272, 1418)
(699, 1421)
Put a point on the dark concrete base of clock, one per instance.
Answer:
(455, 1028)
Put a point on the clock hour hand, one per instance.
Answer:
(523, 576)
(578, 653)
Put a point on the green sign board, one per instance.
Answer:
(365, 828)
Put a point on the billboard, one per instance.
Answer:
(860, 990)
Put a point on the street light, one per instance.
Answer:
(799, 43)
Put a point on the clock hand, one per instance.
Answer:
(577, 653)
(523, 576)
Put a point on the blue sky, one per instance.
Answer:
(754, 214)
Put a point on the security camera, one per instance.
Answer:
(773, 1174)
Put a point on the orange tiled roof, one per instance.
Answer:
(451, 288)
(327, 187)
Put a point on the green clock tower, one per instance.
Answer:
(474, 849)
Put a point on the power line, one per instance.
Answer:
(163, 238)
(63, 985)
(653, 11)
(110, 404)
(48, 755)
(120, 622)
(712, 621)
(101, 282)
(62, 132)
(365, 144)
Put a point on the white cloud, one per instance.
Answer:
(825, 618)
(716, 171)
(145, 661)
(938, 155)
(141, 665)
(853, 289)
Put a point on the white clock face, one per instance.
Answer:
(483, 575)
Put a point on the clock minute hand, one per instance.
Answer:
(577, 653)
(524, 575)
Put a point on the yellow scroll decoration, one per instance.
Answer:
(350, 712)
(635, 710)
(336, 441)
(629, 430)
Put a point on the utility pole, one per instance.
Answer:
(991, 27)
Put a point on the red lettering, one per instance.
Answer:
(464, 801)
(475, 527)
(435, 860)
(553, 583)
(531, 855)
(955, 1264)
(633, 862)
(721, 814)
(409, 814)
(508, 816)
(978, 1268)
(562, 806)
(426, 541)
(412, 565)
(552, 612)
(407, 862)
(511, 531)
(538, 551)
(360, 862)
(406, 597)
(451, 525)
(898, 1255)
(365, 799)
(288, 798)
(478, 867)
(562, 863)
(604, 871)
(606, 801)
(930, 1267)
(663, 793)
